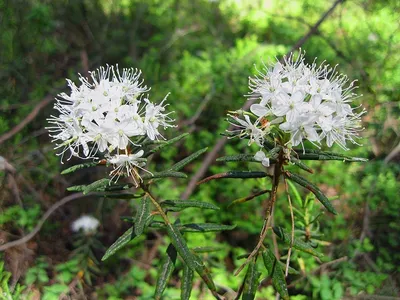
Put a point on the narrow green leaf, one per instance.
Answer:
(180, 244)
(311, 154)
(77, 188)
(125, 196)
(297, 243)
(118, 187)
(178, 205)
(98, 185)
(296, 193)
(78, 167)
(187, 283)
(119, 243)
(179, 165)
(248, 198)
(164, 175)
(291, 270)
(191, 260)
(275, 271)
(312, 188)
(206, 249)
(166, 143)
(166, 269)
(251, 282)
(196, 228)
(236, 174)
(204, 227)
(300, 164)
(238, 157)
(142, 214)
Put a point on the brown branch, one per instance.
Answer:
(54, 207)
(314, 28)
(29, 118)
(210, 158)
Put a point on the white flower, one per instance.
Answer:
(309, 102)
(106, 114)
(302, 129)
(87, 224)
(260, 156)
(247, 127)
(127, 163)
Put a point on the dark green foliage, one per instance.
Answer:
(167, 266)
(251, 281)
(297, 243)
(275, 271)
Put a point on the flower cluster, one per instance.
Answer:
(87, 224)
(107, 115)
(307, 102)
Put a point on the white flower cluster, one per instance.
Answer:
(106, 115)
(87, 224)
(309, 102)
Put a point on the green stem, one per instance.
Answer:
(155, 203)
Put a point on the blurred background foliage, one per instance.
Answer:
(202, 52)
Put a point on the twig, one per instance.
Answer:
(274, 240)
(54, 207)
(292, 233)
(201, 107)
(27, 119)
(314, 28)
(268, 212)
(392, 154)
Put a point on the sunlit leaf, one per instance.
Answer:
(77, 188)
(125, 196)
(248, 198)
(312, 188)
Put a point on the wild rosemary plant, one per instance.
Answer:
(110, 121)
(295, 104)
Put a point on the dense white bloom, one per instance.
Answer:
(87, 224)
(106, 113)
(307, 101)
